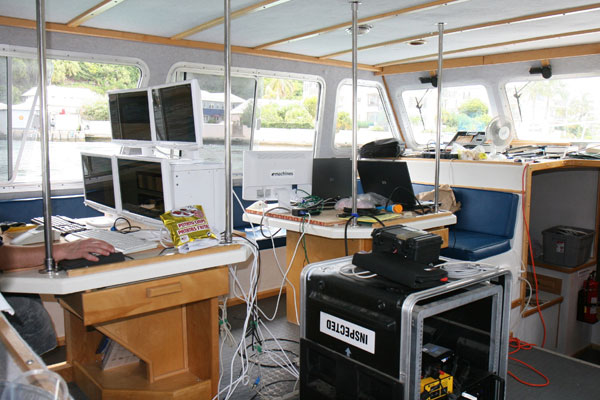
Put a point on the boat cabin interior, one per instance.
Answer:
(489, 110)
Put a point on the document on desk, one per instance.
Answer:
(4, 306)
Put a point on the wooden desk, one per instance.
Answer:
(324, 240)
(162, 309)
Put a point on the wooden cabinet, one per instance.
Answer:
(171, 324)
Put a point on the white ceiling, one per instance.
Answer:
(288, 18)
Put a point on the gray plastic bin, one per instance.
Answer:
(567, 246)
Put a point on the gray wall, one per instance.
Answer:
(160, 58)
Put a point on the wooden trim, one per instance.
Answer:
(516, 303)
(394, 113)
(93, 12)
(475, 188)
(235, 14)
(531, 17)
(492, 45)
(19, 351)
(152, 39)
(547, 283)
(504, 58)
(234, 301)
(566, 270)
(306, 35)
(543, 306)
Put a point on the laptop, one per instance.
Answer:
(390, 179)
(332, 177)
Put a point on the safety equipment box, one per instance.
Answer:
(367, 338)
(567, 246)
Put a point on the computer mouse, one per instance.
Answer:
(117, 256)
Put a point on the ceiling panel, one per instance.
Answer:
(485, 37)
(293, 17)
(59, 11)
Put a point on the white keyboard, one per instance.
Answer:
(125, 243)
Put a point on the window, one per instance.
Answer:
(556, 110)
(373, 120)
(464, 108)
(77, 116)
(284, 118)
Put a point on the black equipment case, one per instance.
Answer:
(364, 338)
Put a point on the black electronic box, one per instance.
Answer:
(413, 244)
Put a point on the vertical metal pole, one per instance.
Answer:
(9, 132)
(354, 5)
(438, 134)
(228, 200)
(49, 266)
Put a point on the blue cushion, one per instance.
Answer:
(484, 224)
(473, 246)
(486, 211)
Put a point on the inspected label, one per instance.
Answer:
(348, 332)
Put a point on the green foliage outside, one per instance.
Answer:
(95, 76)
(344, 122)
(275, 115)
(97, 111)
(472, 116)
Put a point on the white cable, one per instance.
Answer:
(465, 269)
(354, 274)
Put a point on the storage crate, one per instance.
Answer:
(567, 246)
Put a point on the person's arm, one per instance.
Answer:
(13, 257)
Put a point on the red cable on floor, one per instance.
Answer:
(514, 342)
(517, 345)
(537, 299)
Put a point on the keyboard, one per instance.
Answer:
(125, 243)
(62, 224)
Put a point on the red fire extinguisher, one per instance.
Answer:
(587, 300)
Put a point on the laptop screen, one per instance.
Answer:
(332, 177)
(390, 179)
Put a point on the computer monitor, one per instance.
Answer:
(130, 120)
(390, 179)
(332, 177)
(150, 186)
(98, 183)
(272, 175)
(177, 114)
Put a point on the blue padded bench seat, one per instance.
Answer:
(485, 223)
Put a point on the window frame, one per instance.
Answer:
(18, 190)
(407, 126)
(387, 108)
(252, 73)
(534, 78)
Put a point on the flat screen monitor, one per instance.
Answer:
(177, 114)
(269, 175)
(390, 179)
(141, 189)
(98, 182)
(332, 178)
(130, 120)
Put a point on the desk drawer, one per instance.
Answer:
(125, 301)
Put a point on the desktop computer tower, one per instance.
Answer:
(196, 182)
(375, 339)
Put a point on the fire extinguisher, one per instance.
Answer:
(587, 300)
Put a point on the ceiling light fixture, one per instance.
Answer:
(362, 29)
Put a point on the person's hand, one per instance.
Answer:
(82, 249)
